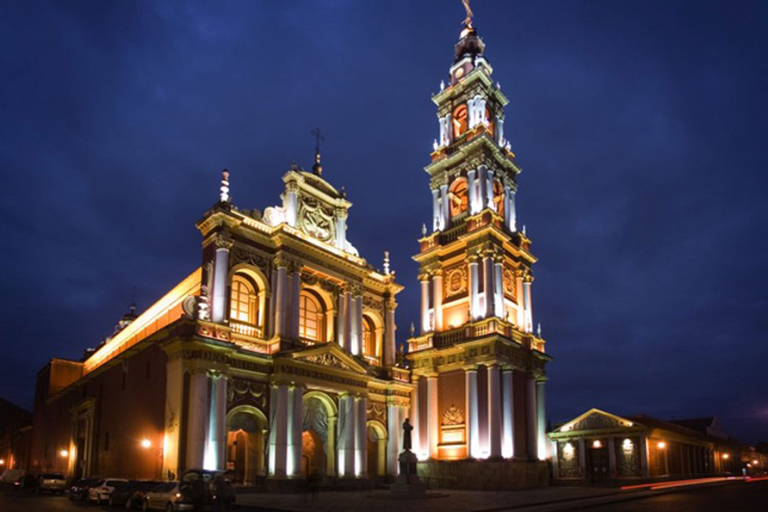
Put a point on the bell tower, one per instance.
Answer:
(476, 346)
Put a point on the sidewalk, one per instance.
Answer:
(549, 499)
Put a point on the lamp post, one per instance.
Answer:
(661, 445)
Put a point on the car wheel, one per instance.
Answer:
(145, 506)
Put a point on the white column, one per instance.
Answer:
(280, 300)
(489, 190)
(530, 417)
(340, 304)
(197, 419)
(474, 288)
(216, 438)
(520, 299)
(294, 424)
(414, 417)
(528, 305)
(508, 407)
(488, 286)
(357, 346)
(393, 438)
(472, 191)
(435, 210)
(347, 320)
(280, 446)
(295, 292)
(482, 187)
(220, 271)
(498, 300)
(511, 211)
(499, 130)
(541, 420)
(494, 411)
(473, 417)
(361, 437)
(437, 285)
(444, 210)
(346, 436)
(390, 346)
(433, 426)
(272, 305)
(341, 228)
(425, 324)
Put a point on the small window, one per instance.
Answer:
(459, 121)
(369, 337)
(310, 317)
(457, 196)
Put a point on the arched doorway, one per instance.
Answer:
(318, 447)
(246, 429)
(377, 449)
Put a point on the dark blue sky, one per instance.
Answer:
(641, 127)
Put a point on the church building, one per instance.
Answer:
(277, 358)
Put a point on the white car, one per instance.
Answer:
(101, 492)
(167, 496)
(51, 482)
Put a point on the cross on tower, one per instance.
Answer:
(317, 168)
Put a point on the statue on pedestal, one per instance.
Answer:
(408, 482)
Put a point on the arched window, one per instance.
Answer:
(459, 121)
(310, 317)
(457, 195)
(369, 337)
(244, 305)
(490, 121)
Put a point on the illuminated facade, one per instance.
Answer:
(598, 447)
(277, 358)
(478, 367)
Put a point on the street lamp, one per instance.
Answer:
(726, 456)
(2, 462)
(662, 445)
(146, 443)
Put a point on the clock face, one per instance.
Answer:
(458, 73)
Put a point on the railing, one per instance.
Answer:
(372, 360)
(453, 233)
(473, 331)
(246, 329)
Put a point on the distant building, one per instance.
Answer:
(15, 440)
(599, 447)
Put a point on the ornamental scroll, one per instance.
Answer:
(377, 411)
(247, 392)
(455, 282)
(316, 220)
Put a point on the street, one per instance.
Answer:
(733, 497)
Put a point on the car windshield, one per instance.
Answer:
(147, 486)
(115, 483)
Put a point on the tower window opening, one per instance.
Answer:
(369, 337)
(459, 121)
(498, 196)
(457, 196)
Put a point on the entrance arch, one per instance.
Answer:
(377, 449)
(246, 432)
(318, 440)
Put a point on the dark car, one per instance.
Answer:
(26, 483)
(131, 495)
(78, 491)
(210, 490)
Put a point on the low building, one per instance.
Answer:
(598, 447)
(15, 428)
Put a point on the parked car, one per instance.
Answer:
(54, 483)
(78, 491)
(9, 476)
(208, 489)
(26, 483)
(103, 489)
(131, 496)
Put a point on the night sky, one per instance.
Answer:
(640, 125)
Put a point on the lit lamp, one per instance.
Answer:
(597, 444)
(662, 445)
(2, 462)
(726, 455)
(146, 443)
(64, 453)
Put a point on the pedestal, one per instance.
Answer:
(408, 481)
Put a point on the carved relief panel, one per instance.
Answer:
(316, 219)
(248, 392)
(455, 282)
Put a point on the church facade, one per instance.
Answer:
(277, 357)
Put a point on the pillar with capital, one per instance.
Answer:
(361, 436)
(414, 416)
(425, 323)
(508, 413)
(390, 346)
(197, 419)
(437, 288)
(433, 428)
(541, 419)
(474, 287)
(295, 422)
(216, 435)
(472, 412)
(531, 417)
(528, 305)
(341, 228)
(346, 437)
(520, 299)
(474, 207)
(220, 275)
(281, 294)
(488, 285)
(498, 289)
(494, 411)
(278, 429)
(295, 269)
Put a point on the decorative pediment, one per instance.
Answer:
(330, 355)
(595, 419)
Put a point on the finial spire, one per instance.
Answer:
(470, 14)
(317, 168)
(386, 263)
(224, 190)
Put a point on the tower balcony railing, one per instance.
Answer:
(475, 330)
